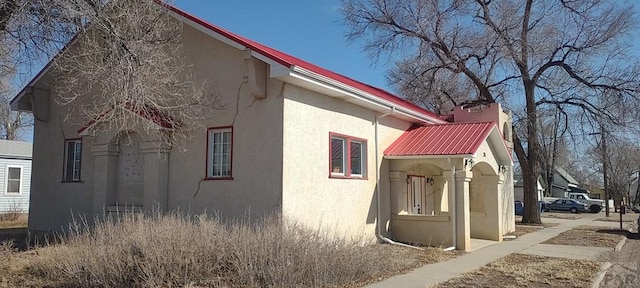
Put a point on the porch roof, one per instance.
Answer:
(441, 140)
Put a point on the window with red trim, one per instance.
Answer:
(348, 156)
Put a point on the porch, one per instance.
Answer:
(446, 185)
(437, 207)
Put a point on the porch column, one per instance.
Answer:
(463, 227)
(105, 167)
(156, 174)
(500, 203)
(493, 206)
(398, 187)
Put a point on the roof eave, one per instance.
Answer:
(352, 92)
(413, 157)
(499, 143)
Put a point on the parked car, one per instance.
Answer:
(570, 205)
(595, 205)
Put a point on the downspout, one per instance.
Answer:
(452, 213)
(378, 222)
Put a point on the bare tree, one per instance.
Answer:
(569, 54)
(119, 63)
(622, 159)
(11, 122)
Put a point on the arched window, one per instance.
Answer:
(506, 131)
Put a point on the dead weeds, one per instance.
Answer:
(593, 236)
(207, 253)
(521, 270)
(20, 222)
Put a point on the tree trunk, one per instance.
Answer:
(530, 164)
(636, 199)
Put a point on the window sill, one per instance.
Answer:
(66, 181)
(333, 176)
(217, 178)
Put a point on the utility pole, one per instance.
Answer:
(603, 140)
(604, 170)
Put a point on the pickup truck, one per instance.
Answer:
(595, 205)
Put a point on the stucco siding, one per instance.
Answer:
(345, 206)
(255, 189)
(53, 204)
(12, 202)
(423, 229)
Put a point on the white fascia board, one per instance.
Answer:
(351, 91)
(417, 157)
(27, 88)
(496, 140)
(333, 88)
(279, 71)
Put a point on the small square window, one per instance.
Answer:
(348, 156)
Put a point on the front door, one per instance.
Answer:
(415, 194)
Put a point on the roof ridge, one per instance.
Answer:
(290, 61)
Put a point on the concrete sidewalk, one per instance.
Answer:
(431, 274)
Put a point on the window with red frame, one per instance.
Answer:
(348, 156)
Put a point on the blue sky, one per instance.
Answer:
(307, 29)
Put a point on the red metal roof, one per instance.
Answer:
(277, 56)
(441, 139)
(290, 61)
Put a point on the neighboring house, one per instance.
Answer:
(15, 176)
(518, 188)
(595, 192)
(301, 141)
(564, 183)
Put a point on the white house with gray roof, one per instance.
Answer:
(15, 176)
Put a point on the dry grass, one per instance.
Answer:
(520, 270)
(615, 217)
(14, 221)
(15, 268)
(200, 251)
(592, 236)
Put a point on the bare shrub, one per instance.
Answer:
(203, 251)
(13, 212)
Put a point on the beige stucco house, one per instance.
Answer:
(300, 141)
